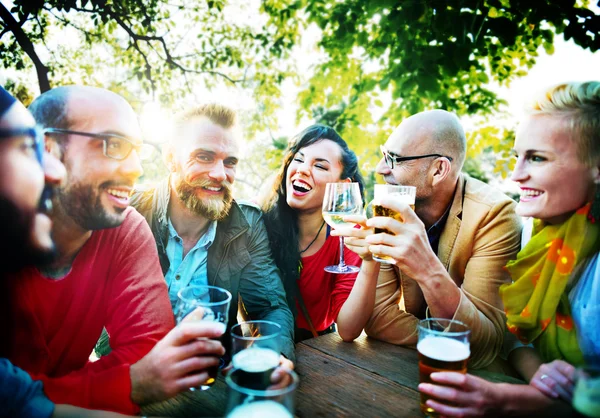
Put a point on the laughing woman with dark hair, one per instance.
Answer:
(301, 242)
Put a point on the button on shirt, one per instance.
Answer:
(192, 269)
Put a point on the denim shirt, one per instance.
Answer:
(585, 309)
(20, 396)
(191, 270)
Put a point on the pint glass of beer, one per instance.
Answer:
(243, 402)
(443, 347)
(586, 395)
(203, 303)
(405, 194)
(255, 349)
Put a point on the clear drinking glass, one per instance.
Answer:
(255, 350)
(405, 194)
(203, 303)
(443, 347)
(586, 395)
(341, 199)
(271, 403)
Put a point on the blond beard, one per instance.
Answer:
(211, 209)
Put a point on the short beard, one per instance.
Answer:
(83, 204)
(16, 249)
(211, 209)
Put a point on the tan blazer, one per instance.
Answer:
(481, 234)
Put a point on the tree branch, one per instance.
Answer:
(168, 57)
(27, 46)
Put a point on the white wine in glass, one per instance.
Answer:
(341, 199)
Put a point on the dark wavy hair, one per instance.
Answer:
(281, 221)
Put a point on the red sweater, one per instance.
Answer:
(324, 293)
(115, 282)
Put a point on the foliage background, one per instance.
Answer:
(358, 66)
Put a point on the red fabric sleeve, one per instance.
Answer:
(138, 315)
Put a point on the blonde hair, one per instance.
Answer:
(218, 114)
(579, 103)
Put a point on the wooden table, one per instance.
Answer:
(365, 378)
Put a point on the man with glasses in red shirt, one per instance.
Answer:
(449, 252)
(106, 273)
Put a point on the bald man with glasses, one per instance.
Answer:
(449, 253)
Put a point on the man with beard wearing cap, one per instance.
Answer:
(106, 273)
(205, 237)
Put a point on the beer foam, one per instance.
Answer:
(260, 409)
(256, 359)
(443, 349)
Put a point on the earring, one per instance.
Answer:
(594, 213)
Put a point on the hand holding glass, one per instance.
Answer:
(341, 199)
(203, 303)
(404, 194)
(443, 347)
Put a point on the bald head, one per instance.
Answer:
(57, 108)
(434, 131)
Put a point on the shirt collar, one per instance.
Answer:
(205, 240)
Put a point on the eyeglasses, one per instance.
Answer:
(390, 159)
(114, 146)
(34, 133)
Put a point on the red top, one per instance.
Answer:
(115, 282)
(324, 293)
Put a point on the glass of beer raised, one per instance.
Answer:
(203, 303)
(586, 395)
(243, 402)
(443, 347)
(405, 194)
(255, 350)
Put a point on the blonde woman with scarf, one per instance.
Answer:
(553, 303)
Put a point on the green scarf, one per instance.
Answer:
(536, 303)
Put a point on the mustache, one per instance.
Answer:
(122, 183)
(207, 183)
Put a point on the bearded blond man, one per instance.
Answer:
(205, 237)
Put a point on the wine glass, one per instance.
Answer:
(341, 199)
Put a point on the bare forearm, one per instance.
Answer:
(358, 307)
(525, 360)
(68, 411)
(440, 292)
(527, 401)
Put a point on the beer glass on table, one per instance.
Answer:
(405, 194)
(244, 402)
(255, 350)
(203, 303)
(586, 395)
(341, 199)
(443, 347)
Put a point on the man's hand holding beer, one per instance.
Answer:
(408, 245)
(406, 242)
(177, 362)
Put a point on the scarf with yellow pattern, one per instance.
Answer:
(536, 302)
